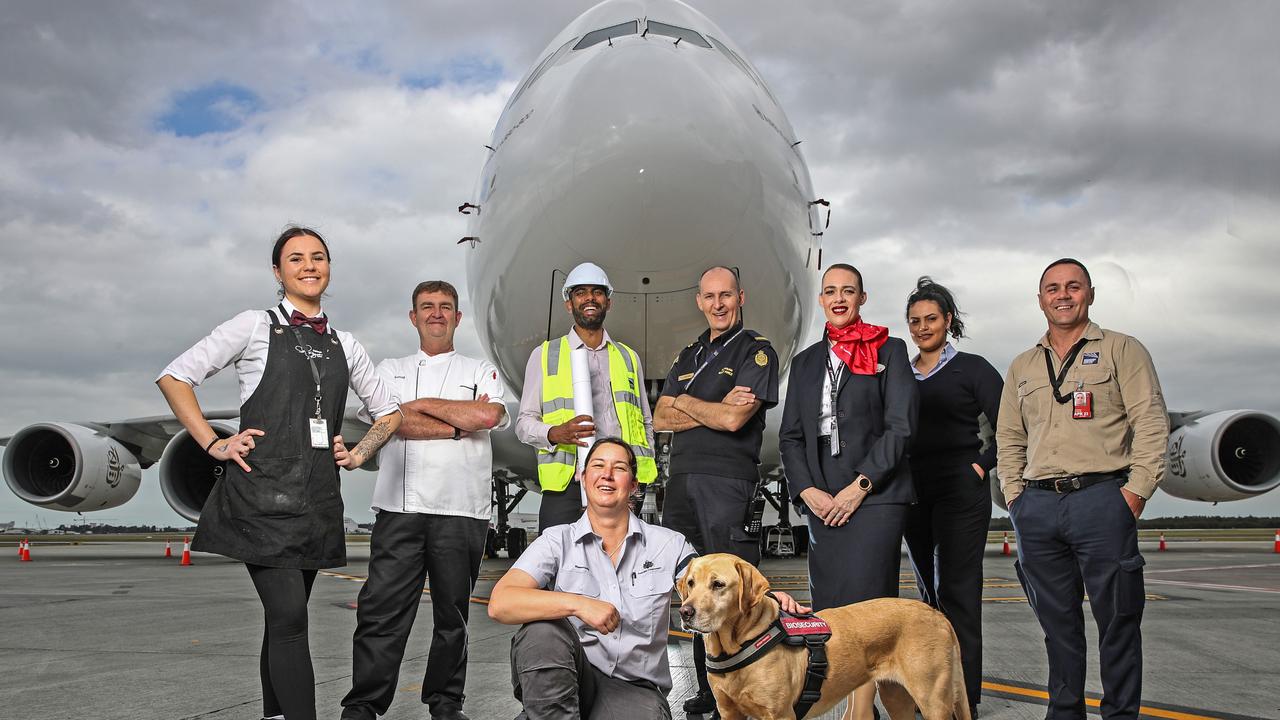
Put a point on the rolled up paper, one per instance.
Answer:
(582, 405)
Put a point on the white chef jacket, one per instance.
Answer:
(244, 341)
(440, 477)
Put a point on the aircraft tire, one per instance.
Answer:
(517, 540)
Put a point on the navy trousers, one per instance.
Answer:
(1070, 543)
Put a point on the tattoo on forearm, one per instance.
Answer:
(372, 440)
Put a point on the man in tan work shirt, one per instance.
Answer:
(1081, 442)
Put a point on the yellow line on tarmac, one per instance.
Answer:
(1091, 702)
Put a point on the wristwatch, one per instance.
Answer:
(864, 484)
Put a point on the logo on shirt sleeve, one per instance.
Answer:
(761, 359)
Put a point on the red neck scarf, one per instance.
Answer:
(858, 345)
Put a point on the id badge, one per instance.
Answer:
(319, 433)
(1082, 404)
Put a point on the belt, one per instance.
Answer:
(1073, 483)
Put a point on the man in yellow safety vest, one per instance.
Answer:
(548, 420)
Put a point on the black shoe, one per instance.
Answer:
(449, 712)
(701, 704)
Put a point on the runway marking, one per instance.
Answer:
(1214, 586)
(1215, 567)
(1005, 689)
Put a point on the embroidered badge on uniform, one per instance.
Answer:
(726, 371)
(761, 358)
(1090, 358)
(686, 376)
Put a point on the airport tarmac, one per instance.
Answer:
(115, 630)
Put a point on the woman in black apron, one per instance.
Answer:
(278, 508)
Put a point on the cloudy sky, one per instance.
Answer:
(150, 152)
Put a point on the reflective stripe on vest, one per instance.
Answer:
(557, 466)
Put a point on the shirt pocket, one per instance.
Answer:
(650, 596)
(1100, 381)
(579, 582)
(1035, 399)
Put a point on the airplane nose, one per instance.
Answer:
(660, 142)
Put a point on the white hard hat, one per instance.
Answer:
(586, 274)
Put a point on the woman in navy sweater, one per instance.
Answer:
(951, 453)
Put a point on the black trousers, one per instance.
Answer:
(288, 682)
(709, 510)
(1070, 543)
(406, 549)
(553, 679)
(946, 535)
(560, 508)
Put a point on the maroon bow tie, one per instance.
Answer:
(319, 324)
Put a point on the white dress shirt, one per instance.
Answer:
(529, 426)
(244, 341)
(440, 477)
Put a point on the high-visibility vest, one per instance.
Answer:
(557, 466)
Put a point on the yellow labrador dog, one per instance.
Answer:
(907, 647)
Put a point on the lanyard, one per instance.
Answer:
(710, 358)
(1056, 382)
(315, 371)
(833, 374)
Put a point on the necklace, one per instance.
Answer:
(608, 554)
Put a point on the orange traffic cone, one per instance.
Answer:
(1277, 549)
(168, 551)
(186, 552)
(22, 545)
(26, 550)
(1005, 551)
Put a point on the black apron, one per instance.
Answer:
(286, 512)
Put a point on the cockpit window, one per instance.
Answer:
(685, 34)
(595, 37)
(733, 58)
(546, 63)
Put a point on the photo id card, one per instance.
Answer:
(319, 433)
(1082, 404)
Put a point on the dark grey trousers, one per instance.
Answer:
(946, 535)
(405, 549)
(1070, 543)
(552, 677)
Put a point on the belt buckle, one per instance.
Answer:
(1066, 485)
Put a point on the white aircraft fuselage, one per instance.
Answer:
(655, 151)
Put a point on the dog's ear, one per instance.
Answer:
(682, 583)
(752, 585)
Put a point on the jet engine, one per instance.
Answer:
(188, 473)
(73, 468)
(1228, 455)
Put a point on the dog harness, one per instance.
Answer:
(809, 631)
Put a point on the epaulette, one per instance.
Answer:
(757, 336)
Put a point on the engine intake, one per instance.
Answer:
(188, 473)
(73, 468)
(1230, 455)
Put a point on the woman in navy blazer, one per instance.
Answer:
(846, 461)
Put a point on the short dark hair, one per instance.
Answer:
(1065, 261)
(607, 440)
(290, 233)
(927, 289)
(434, 286)
(737, 282)
(848, 268)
